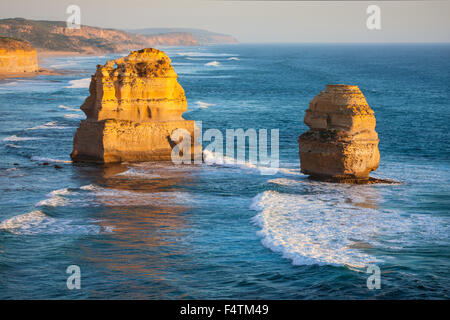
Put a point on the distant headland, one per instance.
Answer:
(54, 37)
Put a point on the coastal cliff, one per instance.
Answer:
(342, 144)
(17, 56)
(134, 106)
(201, 36)
(54, 36)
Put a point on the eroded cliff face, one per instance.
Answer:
(55, 36)
(17, 56)
(342, 144)
(134, 106)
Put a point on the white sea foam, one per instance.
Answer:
(337, 224)
(202, 54)
(16, 138)
(212, 64)
(11, 145)
(23, 222)
(213, 158)
(204, 105)
(49, 125)
(133, 173)
(54, 201)
(80, 83)
(62, 192)
(12, 83)
(44, 159)
(37, 222)
(89, 187)
(233, 58)
(69, 108)
(62, 65)
(309, 231)
(56, 198)
(119, 197)
(73, 116)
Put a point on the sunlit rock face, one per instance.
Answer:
(17, 56)
(135, 104)
(341, 144)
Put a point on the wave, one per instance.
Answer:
(309, 231)
(337, 225)
(37, 222)
(56, 198)
(213, 64)
(80, 83)
(54, 201)
(43, 159)
(202, 54)
(69, 108)
(49, 125)
(12, 83)
(11, 145)
(73, 116)
(16, 138)
(233, 58)
(133, 173)
(214, 158)
(62, 65)
(93, 195)
(204, 105)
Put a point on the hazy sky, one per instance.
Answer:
(256, 21)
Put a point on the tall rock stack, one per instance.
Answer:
(342, 144)
(134, 106)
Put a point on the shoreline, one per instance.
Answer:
(49, 54)
(40, 72)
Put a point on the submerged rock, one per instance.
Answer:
(342, 144)
(135, 104)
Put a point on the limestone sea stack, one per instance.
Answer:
(134, 106)
(341, 144)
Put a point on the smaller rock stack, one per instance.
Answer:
(342, 144)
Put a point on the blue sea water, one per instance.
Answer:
(164, 231)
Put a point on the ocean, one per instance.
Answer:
(165, 231)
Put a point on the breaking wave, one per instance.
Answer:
(213, 64)
(338, 225)
(49, 125)
(43, 159)
(80, 83)
(11, 145)
(93, 195)
(37, 222)
(214, 158)
(69, 108)
(73, 116)
(204, 105)
(202, 54)
(133, 173)
(16, 138)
